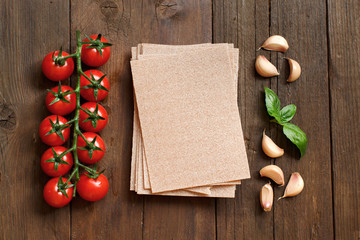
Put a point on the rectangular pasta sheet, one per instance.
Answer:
(168, 70)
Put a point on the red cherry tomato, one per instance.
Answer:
(54, 197)
(56, 167)
(92, 189)
(94, 88)
(86, 122)
(54, 139)
(91, 55)
(96, 154)
(61, 107)
(56, 72)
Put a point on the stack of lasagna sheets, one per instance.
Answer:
(187, 137)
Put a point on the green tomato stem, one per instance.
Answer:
(66, 152)
(83, 137)
(71, 121)
(71, 176)
(66, 57)
(77, 110)
(75, 120)
(85, 167)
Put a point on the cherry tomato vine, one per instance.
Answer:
(87, 147)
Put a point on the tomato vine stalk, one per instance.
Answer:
(75, 120)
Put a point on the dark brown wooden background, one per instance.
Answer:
(324, 37)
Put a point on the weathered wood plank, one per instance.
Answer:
(177, 22)
(119, 214)
(344, 37)
(309, 215)
(246, 24)
(28, 32)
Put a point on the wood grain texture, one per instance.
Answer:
(309, 215)
(246, 24)
(344, 37)
(177, 22)
(323, 37)
(27, 34)
(119, 214)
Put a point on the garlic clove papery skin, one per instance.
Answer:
(294, 186)
(266, 197)
(274, 173)
(264, 67)
(295, 70)
(276, 43)
(270, 148)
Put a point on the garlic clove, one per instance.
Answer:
(295, 70)
(276, 43)
(274, 173)
(270, 148)
(294, 186)
(266, 197)
(265, 68)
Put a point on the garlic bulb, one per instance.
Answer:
(266, 197)
(270, 148)
(295, 70)
(265, 68)
(276, 43)
(274, 173)
(294, 186)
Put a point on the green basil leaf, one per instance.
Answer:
(296, 136)
(287, 113)
(272, 104)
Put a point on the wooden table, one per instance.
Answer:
(324, 37)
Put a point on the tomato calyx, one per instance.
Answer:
(97, 44)
(59, 59)
(92, 172)
(63, 186)
(59, 96)
(57, 127)
(94, 84)
(57, 159)
(90, 146)
(93, 116)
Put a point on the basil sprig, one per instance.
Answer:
(282, 116)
